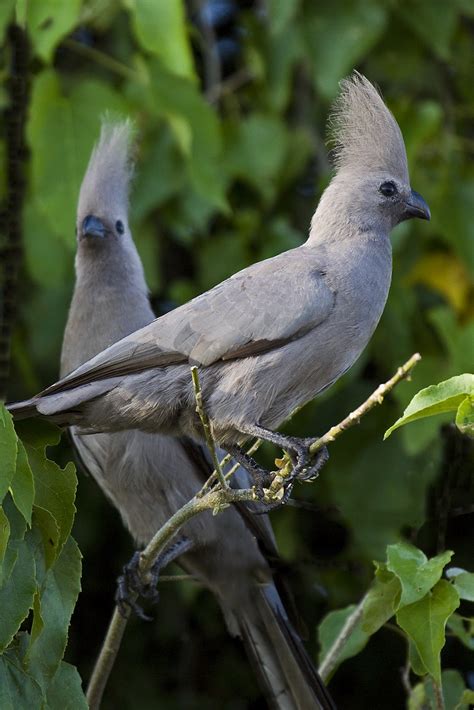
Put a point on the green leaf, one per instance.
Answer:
(49, 21)
(335, 41)
(281, 14)
(59, 594)
(18, 689)
(416, 573)
(382, 599)
(417, 697)
(444, 397)
(46, 525)
(424, 622)
(17, 592)
(4, 533)
(62, 130)
(464, 584)
(453, 688)
(465, 416)
(467, 700)
(330, 628)
(431, 23)
(65, 691)
(6, 12)
(463, 629)
(55, 490)
(22, 487)
(8, 450)
(160, 27)
(38, 433)
(17, 525)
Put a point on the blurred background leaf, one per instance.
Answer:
(230, 99)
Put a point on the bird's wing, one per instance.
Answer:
(262, 307)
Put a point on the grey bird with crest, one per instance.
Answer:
(273, 336)
(150, 476)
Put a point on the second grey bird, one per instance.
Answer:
(149, 476)
(274, 335)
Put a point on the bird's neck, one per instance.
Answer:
(110, 301)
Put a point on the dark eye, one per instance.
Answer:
(119, 227)
(388, 189)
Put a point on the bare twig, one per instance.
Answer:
(439, 697)
(330, 660)
(217, 499)
(206, 425)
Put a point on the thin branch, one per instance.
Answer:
(353, 418)
(216, 500)
(331, 658)
(103, 59)
(206, 425)
(439, 697)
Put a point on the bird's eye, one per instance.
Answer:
(388, 189)
(119, 227)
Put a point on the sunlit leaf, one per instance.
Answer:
(436, 399)
(465, 416)
(49, 21)
(425, 621)
(417, 573)
(160, 28)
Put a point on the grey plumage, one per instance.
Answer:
(149, 476)
(276, 334)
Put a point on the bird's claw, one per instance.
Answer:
(131, 583)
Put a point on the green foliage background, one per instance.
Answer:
(223, 180)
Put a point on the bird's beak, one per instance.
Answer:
(93, 227)
(415, 206)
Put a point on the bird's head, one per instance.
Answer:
(102, 214)
(371, 179)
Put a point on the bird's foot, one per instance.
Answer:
(131, 583)
(261, 478)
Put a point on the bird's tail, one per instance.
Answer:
(22, 410)
(285, 668)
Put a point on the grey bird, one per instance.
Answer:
(149, 476)
(273, 336)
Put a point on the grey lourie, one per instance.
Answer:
(274, 335)
(148, 476)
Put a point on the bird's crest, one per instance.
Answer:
(363, 133)
(108, 175)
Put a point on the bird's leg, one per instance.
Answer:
(131, 581)
(305, 467)
(260, 476)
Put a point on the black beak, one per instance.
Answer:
(415, 206)
(93, 227)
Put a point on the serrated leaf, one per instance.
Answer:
(8, 450)
(38, 433)
(330, 628)
(425, 621)
(65, 690)
(47, 527)
(416, 573)
(17, 592)
(58, 597)
(55, 490)
(465, 416)
(382, 600)
(4, 533)
(18, 689)
(22, 486)
(160, 27)
(17, 525)
(436, 399)
(49, 21)
(464, 584)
